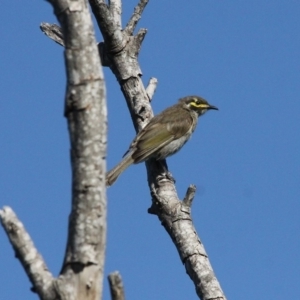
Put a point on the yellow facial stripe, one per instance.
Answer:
(200, 105)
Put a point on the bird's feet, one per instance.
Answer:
(162, 168)
(170, 177)
(167, 175)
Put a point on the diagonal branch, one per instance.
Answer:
(32, 261)
(109, 26)
(173, 213)
(54, 32)
(137, 14)
(178, 223)
(115, 7)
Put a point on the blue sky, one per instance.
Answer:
(242, 56)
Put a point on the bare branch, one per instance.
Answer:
(189, 196)
(85, 110)
(86, 114)
(54, 32)
(150, 89)
(32, 261)
(115, 7)
(176, 218)
(139, 39)
(173, 213)
(137, 14)
(116, 286)
(116, 40)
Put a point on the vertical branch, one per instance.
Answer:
(116, 286)
(85, 110)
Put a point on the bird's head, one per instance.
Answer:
(197, 104)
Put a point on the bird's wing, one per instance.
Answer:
(158, 134)
(150, 140)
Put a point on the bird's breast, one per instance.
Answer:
(172, 147)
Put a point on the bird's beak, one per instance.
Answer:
(212, 107)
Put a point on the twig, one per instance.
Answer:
(138, 40)
(54, 32)
(151, 87)
(137, 14)
(189, 196)
(116, 286)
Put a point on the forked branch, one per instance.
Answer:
(120, 52)
(85, 109)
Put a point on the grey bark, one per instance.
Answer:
(85, 109)
(31, 260)
(116, 286)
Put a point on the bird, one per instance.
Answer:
(164, 135)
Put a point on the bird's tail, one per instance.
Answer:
(114, 173)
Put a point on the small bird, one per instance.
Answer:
(164, 135)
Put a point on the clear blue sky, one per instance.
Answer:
(242, 56)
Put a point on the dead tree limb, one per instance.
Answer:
(116, 286)
(120, 52)
(85, 109)
(31, 260)
(121, 49)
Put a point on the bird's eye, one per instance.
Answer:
(198, 105)
(195, 103)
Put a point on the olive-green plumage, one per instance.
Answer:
(164, 135)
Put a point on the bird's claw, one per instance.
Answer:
(170, 177)
(167, 176)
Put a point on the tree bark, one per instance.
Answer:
(85, 109)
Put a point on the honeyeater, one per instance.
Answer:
(164, 135)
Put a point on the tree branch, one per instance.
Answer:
(115, 7)
(178, 223)
(174, 214)
(189, 196)
(116, 286)
(120, 50)
(31, 260)
(85, 110)
(54, 32)
(137, 14)
(151, 87)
